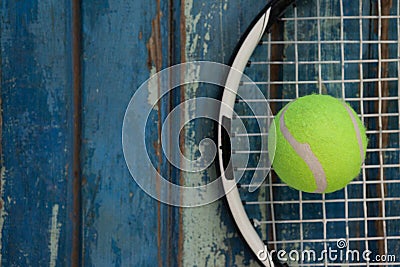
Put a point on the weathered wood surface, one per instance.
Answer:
(36, 215)
(124, 43)
(123, 46)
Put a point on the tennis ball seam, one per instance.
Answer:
(358, 131)
(305, 152)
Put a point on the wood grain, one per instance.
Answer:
(36, 94)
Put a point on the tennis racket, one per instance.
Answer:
(349, 49)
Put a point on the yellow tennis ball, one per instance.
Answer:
(320, 144)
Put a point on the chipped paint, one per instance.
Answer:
(154, 44)
(154, 62)
(55, 228)
(194, 36)
(152, 89)
(203, 239)
(203, 230)
(225, 7)
(3, 213)
(190, 26)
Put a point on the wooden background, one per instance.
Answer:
(68, 70)
(67, 195)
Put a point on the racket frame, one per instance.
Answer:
(249, 41)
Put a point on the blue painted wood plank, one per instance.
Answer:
(124, 42)
(114, 35)
(36, 95)
(212, 32)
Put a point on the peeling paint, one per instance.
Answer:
(153, 90)
(3, 213)
(225, 5)
(205, 233)
(203, 239)
(154, 44)
(154, 62)
(54, 236)
(194, 37)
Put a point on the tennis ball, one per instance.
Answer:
(320, 144)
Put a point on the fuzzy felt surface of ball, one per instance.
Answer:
(317, 143)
